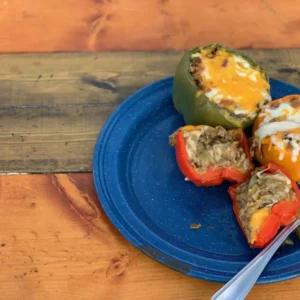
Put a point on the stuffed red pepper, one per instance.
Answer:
(266, 201)
(207, 156)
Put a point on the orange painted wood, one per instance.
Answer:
(57, 243)
(99, 25)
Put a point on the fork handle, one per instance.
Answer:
(240, 285)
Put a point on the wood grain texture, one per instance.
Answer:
(57, 243)
(52, 106)
(101, 25)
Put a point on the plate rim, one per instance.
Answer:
(164, 258)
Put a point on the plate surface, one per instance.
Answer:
(145, 196)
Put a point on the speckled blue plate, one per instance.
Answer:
(145, 196)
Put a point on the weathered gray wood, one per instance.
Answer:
(52, 106)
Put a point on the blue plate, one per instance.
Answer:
(145, 196)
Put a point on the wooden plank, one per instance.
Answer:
(52, 106)
(102, 25)
(57, 243)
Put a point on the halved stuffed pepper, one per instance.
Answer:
(276, 134)
(265, 202)
(216, 86)
(207, 156)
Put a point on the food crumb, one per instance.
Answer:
(186, 179)
(211, 227)
(195, 225)
(288, 241)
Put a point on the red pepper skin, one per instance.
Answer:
(212, 176)
(282, 213)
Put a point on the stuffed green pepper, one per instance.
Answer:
(217, 86)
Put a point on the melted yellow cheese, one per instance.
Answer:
(257, 221)
(233, 83)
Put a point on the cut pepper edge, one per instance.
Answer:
(211, 177)
(282, 213)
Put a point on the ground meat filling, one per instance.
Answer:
(214, 147)
(195, 69)
(263, 190)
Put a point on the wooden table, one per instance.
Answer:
(55, 239)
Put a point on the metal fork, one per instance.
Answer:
(240, 285)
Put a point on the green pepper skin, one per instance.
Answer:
(194, 106)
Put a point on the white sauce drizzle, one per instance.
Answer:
(273, 128)
(267, 96)
(295, 136)
(241, 74)
(219, 97)
(296, 147)
(213, 92)
(242, 61)
(277, 112)
(196, 55)
(253, 77)
(277, 143)
(253, 115)
(240, 112)
(206, 74)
